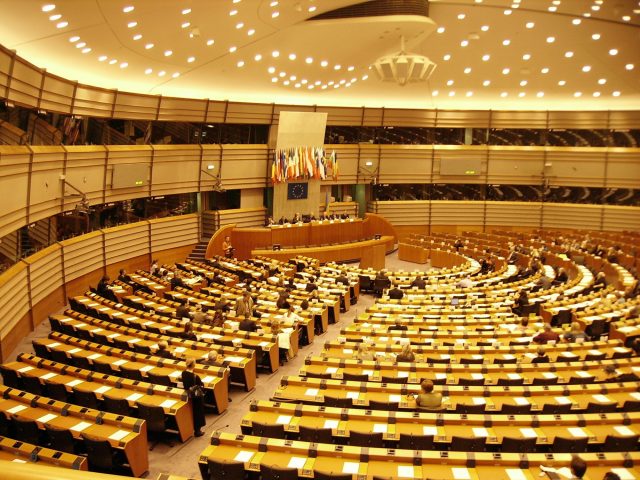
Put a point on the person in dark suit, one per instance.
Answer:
(311, 285)
(561, 277)
(283, 300)
(188, 333)
(342, 279)
(176, 281)
(182, 311)
(542, 356)
(396, 293)
(192, 382)
(122, 276)
(419, 282)
(104, 291)
(248, 325)
(163, 350)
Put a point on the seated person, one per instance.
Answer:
(575, 334)
(398, 326)
(284, 340)
(396, 293)
(213, 359)
(104, 290)
(311, 284)
(163, 350)
(246, 324)
(576, 469)
(601, 280)
(188, 333)
(198, 315)
(342, 279)
(292, 315)
(406, 355)
(222, 305)
(270, 221)
(283, 300)
(561, 276)
(465, 283)
(122, 276)
(296, 218)
(547, 335)
(182, 311)
(283, 220)
(176, 280)
(428, 399)
(364, 352)
(542, 356)
(419, 282)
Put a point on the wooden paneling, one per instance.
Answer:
(576, 166)
(14, 304)
(515, 165)
(620, 218)
(559, 215)
(527, 214)
(243, 217)
(623, 167)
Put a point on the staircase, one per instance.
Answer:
(199, 251)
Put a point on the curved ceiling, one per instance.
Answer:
(490, 54)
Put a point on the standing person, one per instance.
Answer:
(244, 304)
(227, 247)
(193, 385)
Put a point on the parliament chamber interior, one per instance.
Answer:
(337, 239)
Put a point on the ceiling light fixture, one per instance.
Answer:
(74, 39)
(62, 24)
(132, 24)
(251, 31)
(55, 17)
(128, 9)
(48, 7)
(149, 46)
(148, 71)
(210, 42)
(186, 11)
(403, 67)
(137, 36)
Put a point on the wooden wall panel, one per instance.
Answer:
(578, 120)
(623, 168)
(397, 117)
(245, 166)
(125, 242)
(182, 109)
(253, 113)
(405, 163)
(93, 102)
(452, 153)
(82, 255)
(518, 119)
(576, 166)
(402, 213)
(243, 217)
(174, 232)
(463, 118)
(344, 116)
(132, 105)
(526, 214)
(176, 169)
(445, 212)
(14, 170)
(25, 84)
(46, 186)
(57, 94)
(45, 270)
(558, 215)
(621, 218)
(515, 166)
(14, 301)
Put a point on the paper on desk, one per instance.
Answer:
(528, 433)
(284, 419)
(25, 369)
(94, 356)
(516, 474)
(243, 456)
(480, 432)
(73, 350)
(146, 368)
(168, 403)
(353, 395)
(119, 435)
(135, 396)
(102, 389)
(461, 473)
(78, 427)
(624, 431)
(350, 467)
(331, 370)
(348, 351)
(562, 400)
(521, 401)
(623, 473)
(331, 424)
(312, 392)
(442, 376)
(393, 398)
(233, 359)
(117, 363)
(403, 374)
(577, 432)
(113, 335)
(479, 401)
(477, 376)
(513, 376)
(380, 428)
(73, 383)
(405, 471)
(49, 375)
(46, 418)
(297, 462)
(428, 430)
(133, 340)
(549, 375)
(583, 374)
(16, 409)
(18, 460)
(602, 398)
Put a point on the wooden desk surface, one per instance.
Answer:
(21, 452)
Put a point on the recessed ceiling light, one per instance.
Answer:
(461, 16)
(124, 65)
(602, 81)
(191, 59)
(540, 94)
(576, 21)
(273, 4)
(324, 87)
(240, 64)
(304, 81)
(62, 24)
(626, 18)
(486, 83)
(616, 93)
(113, 61)
(503, 94)
(613, 51)
(86, 50)
(232, 49)
(210, 42)
(168, 53)
(505, 71)
(55, 17)
(312, 8)
(568, 54)
(508, 12)
(337, 67)
(48, 7)
(292, 56)
(595, 36)
(274, 79)
(282, 74)
(595, 8)
(251, 31)
(233, 12)
(350, 68)
(447, 57)
(137, 36)
(185, 24)
(526, 56)
(318, 82)
(587, 15)
(486, 57)
(330, 83)
(186, 11)
(148, 71)
(162, 73)
(469, 94)
(551, 39)
(257, 57)
(523, 83)
(467, 70)
(132, 24)
(275, 14)
(149, 46)
(239, 25)
(562, 83)
(324, 63)
(74, 39)
(176, 75)
(544, 70)
(81, 44)
(440, 29)
(521, 94)
(364, 77)
(464, 43)
(275, 54)
(435, 93)
(308, 60)
(577, 94)
(237, 1)
(271, 69)
(286, 82)
(629, 66)
(530, 24)
(449, 82)
(586, 68)
(552, 9)
(452, 94)
(506, 43)
(484, 28)
(596, 94)
(102, 58)
(297, 85)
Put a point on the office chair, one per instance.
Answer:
(318, 475)
(10, 378)
(226, 469)
(556, 409)
(32, 385)
(415, 442)
(337, 402)
(59, 392)
(159, 379)
(100, 455)
(86, 399)
(569, 445)
(156, 424)
(465, 444)
(27, 431)
(41, 350)
(508, 409)
(315, 435)
(278, 473)
(61, 439)
(518, 445)
(268, 430)
(119, 406)
(601, 407)
(365, 439)
(613, 443)
(131, 373)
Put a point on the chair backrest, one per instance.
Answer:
(416, 442)
(464, 444)
(26, 431)
(130, 373)
(384, 379)
(10, 378)
(59, 392)
(318, 475)
(613, 443)
(510, 381)
(365, 439)
(544, 381)
(41, 350)
(278, 473)
(60, 439)
(229, 469)
(160, 379)
(377, 405)
(337, 402)
(601, 407)
(355, 377)
(555, 409)
(315, 435)
(268, 430)
(470, 381)
(154, 416)
(60, 357)
(469, 408)
(32, 385)
(82, 362)
(99, 453)
(102, 367)
(119, 406)
(6, 426)
(515, 409)
(86, 399)
(518, 445)
(569, 445)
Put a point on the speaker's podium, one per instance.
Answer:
(373, 256)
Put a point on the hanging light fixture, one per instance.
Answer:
(403, 67)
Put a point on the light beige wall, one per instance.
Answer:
(252, 198)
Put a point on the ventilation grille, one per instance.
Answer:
(376, 8)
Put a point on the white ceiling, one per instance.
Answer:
(115, 58)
